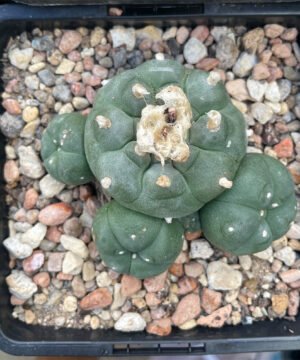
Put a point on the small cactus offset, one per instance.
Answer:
(166, 143)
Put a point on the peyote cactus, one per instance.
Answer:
(164, 140)
(63, 149)
(134, 243)
(255, 211)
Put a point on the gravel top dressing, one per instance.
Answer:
(57, 276)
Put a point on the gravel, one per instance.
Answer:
(57, 277)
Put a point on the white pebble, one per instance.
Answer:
(130, 322)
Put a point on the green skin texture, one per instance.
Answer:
(241, 206)
(63, 150)
(154, 246)
(191, 223)
(110, 152)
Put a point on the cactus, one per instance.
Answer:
(164, 140)
(134, 243)
(255, 211)
(63, 150)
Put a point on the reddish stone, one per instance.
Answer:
(64, 277)
(161, 327)
(100, 71)
(12, 86)
(207, 64)
(33, 262)
(88, 63)
(11, 172)
(176, 269)
(90, 94)
(275, 73)
(55, 261)
(155, 283)
(265, 56)
(273, 30)
(30, 199)
(53, 234)
(217, 319)
(295, 284)
(12, 106)
(55, 214)
(293, 303)
(130, 285)
(290, 276)
(285, 148)
(188, 308)
(182, 258)
(85, 191)
(70, 40)
(152, 300)
(42, 279)
(74, 56)
(210, 300)
(78, 89)
(20, 215)
(99, 298)
(92, 80)
(72, 77)
(187, 285)
(260, 71)
(200, 32)
(193, 269)
(282, 51)
(289, 34)
(157, 313)
(16, 301)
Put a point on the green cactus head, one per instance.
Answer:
(255, 211)
(164, 140)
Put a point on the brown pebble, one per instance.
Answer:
(73, 227)
(11, 172)
(282, 51)
(30, 199)
(260, 72)
(189, 236)
(217, 319)
(115, 11)
(289, 34)
(290, 276)
(55, 214)
(295, 244)
(152, 299)
(155, 283)
(280, 304)
(182, 35)
(265, 56)
(207, 64)
(291, 61)
(187, 285)
(158, 313)
(193, 269)
(53, 234)
(200, 32)
(74, 56)
(72, 77)
(130, 285)
(293, 303)
(42, 279)
(20, 215)
(182, 258)
(12, 106)
(273, 30)
(99, 298)
(78, 89)
(33, 262)
(64, 277)
(176, 269)
(275, 73)
(188, 308)
(210, 300)
(16, 301)
(285, 148)
(252, 39)
(161, 327)
(70, 40)
(295, 284)
(237, 89)
(90, 94)
(55, 261)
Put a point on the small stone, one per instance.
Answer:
(187, 309)
(237, 89)
(189, 236)
(123, 36)
(12, 106)
(285, 87)
(161, 327)
(290, 276)
(97, 34)
(286, 255)
(11, 126)
(244, 64)
(99, 298)
(194, 51)
(43, 43)
(210, 300)
(193, 269)
(223, 277)
(256, 89)
(200, 32)
(294, 232)
(285, 148)
(70, 304)
(217, 319)
(294, 301)
(291, 74)
(42, 279)
(261, 112)
(152, 300)
(47, 77)
(289, 34)
(272, 92)
(65, 67)
(227, 52)
(20, 285)
(11, 172)
(29, 316)
(55, 214)
(72, 264)
(282, 51)
(50, 187)
(70, 40)
(280, 304)
(170, 33)
(55, 261)
(30, 164)
(273, 31)
(20, 58)
(35, 68)
(16, 248)
(190, 324)
(130, 322)
(73, 227)
(119, 56)
(62, 93)
(149, 32)
(78, 287)
(77, 246)
(119, 299)
(130, 285)
(294, 244)
(266, 254)
(182, 35)
(103, 279)
(252, 39)
(261, 72)
(200, 249)
(219, 31)
(245, 262)
(80, 103)
(33, 262)
(155, 283)
(186, 285)
(88, 271)
(207, 64)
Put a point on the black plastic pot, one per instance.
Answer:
(21, 339)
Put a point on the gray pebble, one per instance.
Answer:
(47, 77)
(119, 56)
(106, 62)
(62, 93)
(285, 87)
(44, 43)
(261, 112)
(221, 276)
(135, 58)
(10, 125)
(227, 52)
(291, 73)
(16, 248)
(244, 64)
(80, 103)
(194, 51)
(30, 164)
(32, 82)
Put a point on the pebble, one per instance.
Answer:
(55, 214)
(16, 248)
(294, 301)
(289, 34)
(272, 92)
(291, 74)
(256, 89)
(160, 327)
(11, 172)
(130, 322)
(50, 187)
(237, 89)
(80, 103)
(294, 232)
(34, 262)
(29, 317)
(200, 249)
(261, 72)
(123, 36)
(55, 261)
(282, 51)
(170, 33)
(200, 32)
(252, 39)
(70, 40)
(65, 67)
(261, 112)
(70, 304)
(290, 276)
(78, 287)
(88, 271)
(156, 283)
(193, 269)
(186, 285)
(20, 58)
(219, 31)
(285, 148)
(77, 246)
(194, 51)
(207, 64)
(43, 43)
(118, 56)
(97, 35)
(34, 236)
(187, 309)
(47, 77)
(217, 319)
(20, 285)
(210, 300)
(30, 164)
(99, 298)
(280, 303)
(103, 279)
(130, 285)
(244, 64)
(149, 32)
(62, 93)
(42, 279)
(12, 106)
(118, 299)
(35, 68)
(72, 264)
(273, 31)
(227, 52)
(285, 87)
(223, 277)
(286, 255)
(72, 227)
(11, 126)
(182, 35)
